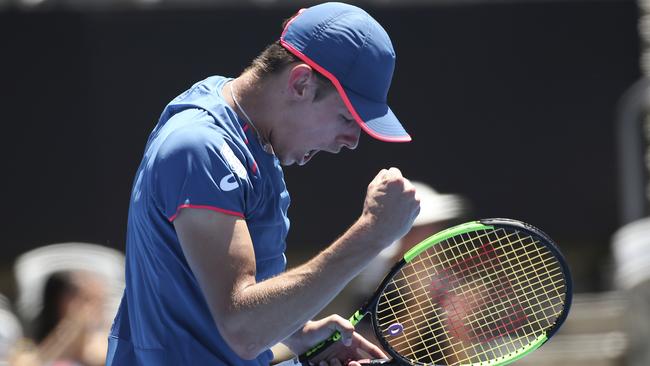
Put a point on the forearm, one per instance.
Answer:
(281, 305)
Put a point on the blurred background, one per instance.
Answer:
(534, 110)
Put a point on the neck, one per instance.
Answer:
(246, 96)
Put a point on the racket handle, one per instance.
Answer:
(314, 351)
(335, 337)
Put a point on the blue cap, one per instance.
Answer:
(352, 50)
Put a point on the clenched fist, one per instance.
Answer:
(390, 206)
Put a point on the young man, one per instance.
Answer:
(208, 214)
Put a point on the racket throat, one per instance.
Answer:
(359, 315)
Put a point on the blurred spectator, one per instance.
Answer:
(11, 331)
(631, 249)
(68, 294)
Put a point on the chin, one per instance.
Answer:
(284, 161)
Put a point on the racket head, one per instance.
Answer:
(486, 292)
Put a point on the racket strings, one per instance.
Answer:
(518, 273)
(418, 348)
(543, 319)
(531, 325)
(513, 265)
(490, 299)
(556, 272)
(433, 264)
(468, 285)
(430, 311)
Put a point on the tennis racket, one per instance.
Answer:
(486, 292)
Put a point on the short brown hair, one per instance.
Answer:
(275, 58)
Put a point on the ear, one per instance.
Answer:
(301, 82)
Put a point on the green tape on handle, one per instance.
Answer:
(335, 337)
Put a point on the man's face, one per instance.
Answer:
(311, 126)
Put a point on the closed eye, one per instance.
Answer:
(346, 120)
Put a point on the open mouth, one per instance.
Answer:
(308, 156)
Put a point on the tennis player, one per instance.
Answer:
(205, 268)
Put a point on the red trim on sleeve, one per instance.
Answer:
(245, 128)
(204, 207)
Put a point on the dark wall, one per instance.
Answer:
(510, 105)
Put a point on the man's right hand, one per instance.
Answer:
(390, 207)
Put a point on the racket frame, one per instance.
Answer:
(370, 306)
(483, 224)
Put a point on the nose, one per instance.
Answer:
(350, 139)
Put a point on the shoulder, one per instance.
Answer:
(194, 138)
(193, 130)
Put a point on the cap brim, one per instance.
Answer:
(377, 119)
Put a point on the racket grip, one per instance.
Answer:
(335, 337)
(320, 347)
